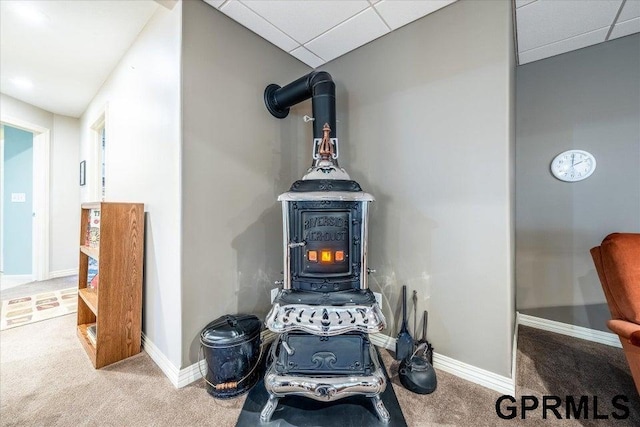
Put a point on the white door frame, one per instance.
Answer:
(41, 179)
(1, 201)
(95, 188)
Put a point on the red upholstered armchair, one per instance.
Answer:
(617, 261)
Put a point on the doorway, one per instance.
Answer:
(17, 206)
(24, 202)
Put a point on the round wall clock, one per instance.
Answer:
(573, 165)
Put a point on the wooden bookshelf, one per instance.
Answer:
(115, 306)
(92, 252)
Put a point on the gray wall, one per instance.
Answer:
(425, 125)
(587, 99)
(236, 159)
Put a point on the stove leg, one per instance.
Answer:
(269, 408)
(382, 412)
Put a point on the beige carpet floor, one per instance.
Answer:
(32, 288)
(47, 380)
(20, 311)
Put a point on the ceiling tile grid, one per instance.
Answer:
(630, 10)
(250, 19)
(625, 28)
(629, 20)
(317, 31)
(307, 57)
(547, 21)
(566, 45)
(305, 20)
(547, 28)
(399, 13)
(349, 35)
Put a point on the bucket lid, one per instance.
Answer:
(230, 330)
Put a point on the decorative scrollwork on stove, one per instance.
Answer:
(325, 391)
(322, 388)
(325, 321)
(321, 185)
(324, 360)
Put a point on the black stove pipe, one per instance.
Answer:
(317, 85)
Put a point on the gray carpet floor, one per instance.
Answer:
(47, 380)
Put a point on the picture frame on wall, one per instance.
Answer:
(83, 172)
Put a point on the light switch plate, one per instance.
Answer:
(18, 197)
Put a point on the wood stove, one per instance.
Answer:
(324, 313)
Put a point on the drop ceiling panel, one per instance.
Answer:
(520, 3)
(548, 21)
(399, 13)
(258, 25)
(305, 20)
(215, 3)
(630, 10)
(625, 28)
(566, 45)
(349, 35)
(307, 57)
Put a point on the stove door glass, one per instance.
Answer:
(327, 236)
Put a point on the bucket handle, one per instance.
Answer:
(231, 384)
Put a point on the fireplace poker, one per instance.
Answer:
(404, 342)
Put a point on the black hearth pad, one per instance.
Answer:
(355, 411)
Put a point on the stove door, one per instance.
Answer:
(305, 354)
(331, 232)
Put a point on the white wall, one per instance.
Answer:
(142, 97)
(21, 110)
(64, 201)
(65, 195)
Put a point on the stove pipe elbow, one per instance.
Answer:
(317, 85)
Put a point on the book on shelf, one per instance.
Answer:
(93, 229)
(92, 332)
(92, 274)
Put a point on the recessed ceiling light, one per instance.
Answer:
(30, 13)
(22, 83)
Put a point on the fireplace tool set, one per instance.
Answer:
(416, 370)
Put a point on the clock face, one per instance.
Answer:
(573, 165)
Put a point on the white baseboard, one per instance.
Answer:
(194, 372)
(514, 351)
(384, 341)
(593, 335)
(161, 360)
(63, 273)
(488, 379)
(462, 370)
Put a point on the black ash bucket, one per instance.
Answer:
(231, 346)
